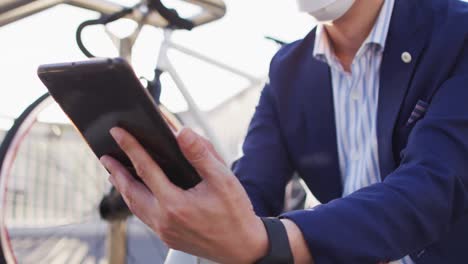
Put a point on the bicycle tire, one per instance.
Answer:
(17, 243)
(7, 140)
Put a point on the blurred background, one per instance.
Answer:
(237, 40)
(52, 187)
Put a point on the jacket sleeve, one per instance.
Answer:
(415, 205)
(265, 169)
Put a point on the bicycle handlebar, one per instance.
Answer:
(170, 15)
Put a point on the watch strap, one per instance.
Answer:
(279, 249)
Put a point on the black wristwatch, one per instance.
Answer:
(279, 250)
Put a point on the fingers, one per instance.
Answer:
(136, 195)
(199, 154)
(145, 166)
(213, 151)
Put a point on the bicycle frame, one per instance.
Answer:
(165, 65)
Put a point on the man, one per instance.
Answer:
(370, 111)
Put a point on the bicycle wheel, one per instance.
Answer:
(50, 190)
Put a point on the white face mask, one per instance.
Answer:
(325, 10)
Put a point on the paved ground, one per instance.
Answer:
(83, 244)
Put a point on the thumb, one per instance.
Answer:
(199, 154)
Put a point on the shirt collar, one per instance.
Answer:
(378, 35)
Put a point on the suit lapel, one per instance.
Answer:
(320, 114)
(406, 35)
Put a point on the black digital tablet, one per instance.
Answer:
(100, 94)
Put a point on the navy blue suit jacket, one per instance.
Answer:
(421, 205)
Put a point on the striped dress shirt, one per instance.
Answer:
(355, 97)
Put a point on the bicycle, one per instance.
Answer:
(29, 137)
